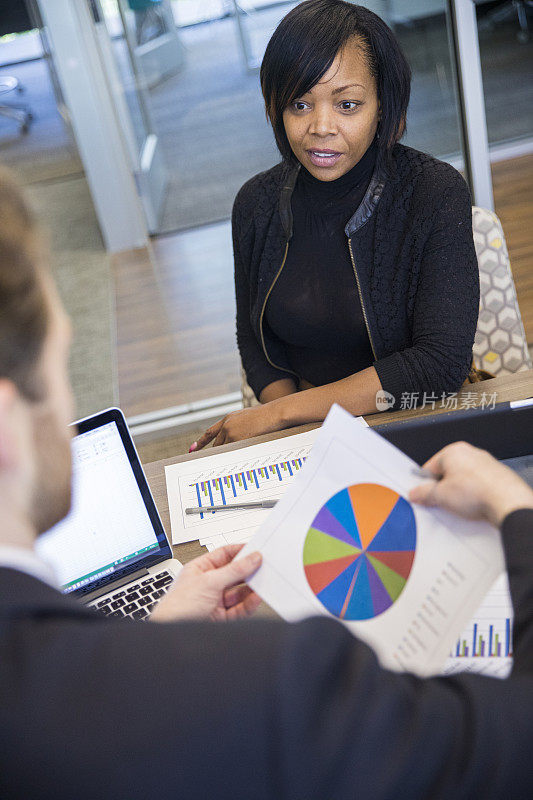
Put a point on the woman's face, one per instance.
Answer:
(331, 127)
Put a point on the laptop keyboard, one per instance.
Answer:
(137, 601)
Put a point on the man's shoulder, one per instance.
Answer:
(24, 593)
(428, 177)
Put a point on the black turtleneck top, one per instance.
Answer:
(314, 306)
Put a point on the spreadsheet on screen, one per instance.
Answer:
(108, 524)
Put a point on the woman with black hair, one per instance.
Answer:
(355, 271)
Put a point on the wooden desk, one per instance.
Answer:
(509, 387)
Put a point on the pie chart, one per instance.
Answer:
(359, 551)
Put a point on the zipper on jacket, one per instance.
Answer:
(263, 311)
(360, 298)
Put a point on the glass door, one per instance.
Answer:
(155, 47)
(134, 40)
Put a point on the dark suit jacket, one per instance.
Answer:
(94, 709)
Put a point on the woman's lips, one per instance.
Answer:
(323, 158)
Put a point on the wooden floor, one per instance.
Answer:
(176, 321)
(513, 201)
(176, 310)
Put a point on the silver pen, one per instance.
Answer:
(233, 506)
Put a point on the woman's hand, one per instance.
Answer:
(472, 484)
(242, 425)
(211, 586)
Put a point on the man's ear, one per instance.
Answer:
(9, 414)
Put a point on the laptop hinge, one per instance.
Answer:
(132, 576)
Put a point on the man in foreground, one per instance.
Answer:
(96, 708)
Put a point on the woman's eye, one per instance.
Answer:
(299, 105)
(349, 105)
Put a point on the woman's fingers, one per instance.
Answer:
(220, 438)
(209, 435)
(204, 439)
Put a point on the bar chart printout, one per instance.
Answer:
(239, 486)
(486, 645)
(259, 472)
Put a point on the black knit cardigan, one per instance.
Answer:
(414, 264)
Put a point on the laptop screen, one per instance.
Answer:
(108, 530)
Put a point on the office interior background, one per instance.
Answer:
(136, 123)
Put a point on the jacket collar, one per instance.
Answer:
(361, 215)
(368, 203)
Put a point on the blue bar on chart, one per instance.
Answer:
(507, 637)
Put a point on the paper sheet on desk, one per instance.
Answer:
(345, 542)
(259, 472)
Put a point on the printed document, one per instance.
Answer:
(259, 472)
(344, 541)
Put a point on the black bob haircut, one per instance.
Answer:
(303, 48)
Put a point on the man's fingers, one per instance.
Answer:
(237, 594)
(236, 572)
(448, 457)
(434, 464)
(223, 555)
(424, 494)
(245, 608)
(217, 558)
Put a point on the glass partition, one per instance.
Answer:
(506, 50)
(209, 115)
(46, 161)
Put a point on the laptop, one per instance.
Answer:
(111, 550)
(506, 431)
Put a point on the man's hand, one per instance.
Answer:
(472, 484)
(211, 586)
(242, 425)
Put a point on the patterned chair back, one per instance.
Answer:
(500, 345)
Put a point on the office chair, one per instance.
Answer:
(17, 112)
(14, 18)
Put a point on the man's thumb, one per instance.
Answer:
(237, 571)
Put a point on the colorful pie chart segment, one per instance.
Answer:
(359, 551)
